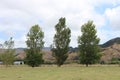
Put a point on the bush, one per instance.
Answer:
(114, 62)
(49, 62)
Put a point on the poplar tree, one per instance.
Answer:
(61, 42)
(35, 44)
(88, 44)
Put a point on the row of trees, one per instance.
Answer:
(87, 44)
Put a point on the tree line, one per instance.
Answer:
(89, 51)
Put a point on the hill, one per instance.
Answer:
(111, 42)
(111, 50)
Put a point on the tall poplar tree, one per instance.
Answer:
(61, 42)
(88, 44)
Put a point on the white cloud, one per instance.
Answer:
(20, 42)
(104, 2)
(17, 16)
(113, 16)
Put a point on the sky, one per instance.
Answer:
(18, 16)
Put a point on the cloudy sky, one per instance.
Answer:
(17, 16)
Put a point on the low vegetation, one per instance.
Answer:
(66, 72)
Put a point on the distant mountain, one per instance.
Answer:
(46, 49)
(111, 42)
(22, 49)
(111, 49)
(19, 49)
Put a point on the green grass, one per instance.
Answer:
(74, 72)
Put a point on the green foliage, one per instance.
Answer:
(35, 38)
(115, 61)
(35, 44)
(33, 59)
(61, 42)
(8, 58)
(8, 55)
(88, 44)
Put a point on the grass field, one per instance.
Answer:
(63, 73)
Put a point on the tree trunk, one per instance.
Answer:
(86, 65)
(59, 65)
